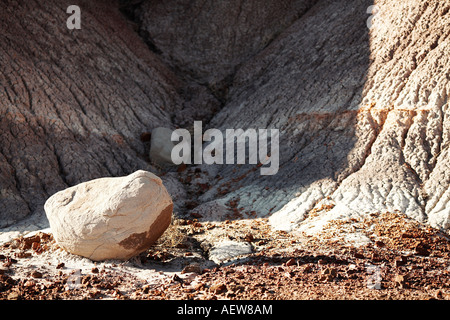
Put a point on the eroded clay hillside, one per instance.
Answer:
(73, 104)
(362, 112)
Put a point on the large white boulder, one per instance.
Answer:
(110, 218)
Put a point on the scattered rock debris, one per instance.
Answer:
(404, 260)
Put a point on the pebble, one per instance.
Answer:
(400, 280)
(192, 268)
(218, 288)
(29, 283)
(379, 244)
(291, 262)
(13, 296)
(36, 274)
(308, 268)
(400, 261)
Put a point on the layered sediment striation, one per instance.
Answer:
(362, 112)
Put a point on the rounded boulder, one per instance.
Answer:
(110, 218)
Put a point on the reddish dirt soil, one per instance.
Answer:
(405, 260)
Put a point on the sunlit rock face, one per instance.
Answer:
(357, 92)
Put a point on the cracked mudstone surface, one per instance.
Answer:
(363, 118)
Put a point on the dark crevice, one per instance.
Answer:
(61, 170)
(145, 36)
(128, 8)
(218, 89)
(190, 82)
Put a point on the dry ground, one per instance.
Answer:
(402, 260)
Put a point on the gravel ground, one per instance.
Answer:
(398, 259)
